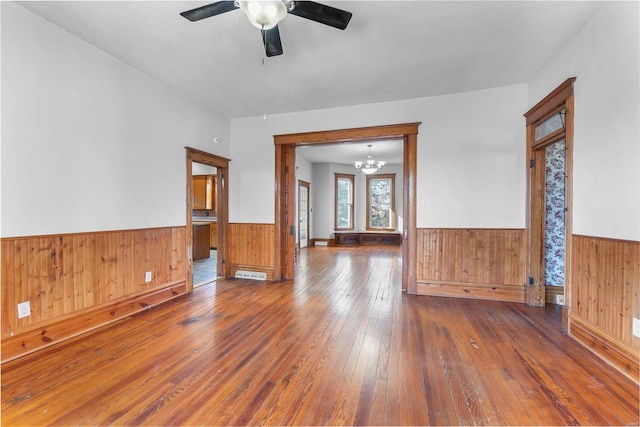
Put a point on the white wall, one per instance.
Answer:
(321, 200)
(471, 156)
(89, 143)
(605, 57)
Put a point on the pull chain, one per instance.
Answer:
(264, 70)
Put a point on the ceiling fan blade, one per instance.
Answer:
(209, 10)
(322, 13)
(272, 42)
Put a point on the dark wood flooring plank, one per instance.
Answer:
(340, 345)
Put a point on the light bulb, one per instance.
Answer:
(264, 14)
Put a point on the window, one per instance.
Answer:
(344, 202)
(381, 202)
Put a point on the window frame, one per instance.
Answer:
(352, 180)
(392, 225)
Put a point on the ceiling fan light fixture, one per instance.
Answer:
(263, 14)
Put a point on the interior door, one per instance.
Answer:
(303, 214)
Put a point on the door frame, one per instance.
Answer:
(285, 183)
(307, 185)
(559, 99)
(222, 211)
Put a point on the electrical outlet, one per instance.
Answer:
(24, 309)
(636, 327)
(147, 276)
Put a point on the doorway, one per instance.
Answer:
(549, 146)
(207, 223)
(285, 161)
(303, 214)
(204, 223)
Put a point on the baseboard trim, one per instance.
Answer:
(622, 357)
(44, 336)
(482, 291)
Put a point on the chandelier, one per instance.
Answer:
(370, 166)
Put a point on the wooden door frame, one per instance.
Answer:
(285, 146)
(307, 185)
(222, 212)
(559, 99)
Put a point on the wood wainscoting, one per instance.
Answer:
(252, 248)
(472, 263)
(605, 297)
(78, 282)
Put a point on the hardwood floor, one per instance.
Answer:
(339, 346)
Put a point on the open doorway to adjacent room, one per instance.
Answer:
(207, 217)
(287, 186)
(550, 151)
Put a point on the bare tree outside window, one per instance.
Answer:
(344, 202)
(380, 202)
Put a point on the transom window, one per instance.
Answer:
(344, 202)
(381, 202)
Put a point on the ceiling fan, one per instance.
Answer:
(266, 14)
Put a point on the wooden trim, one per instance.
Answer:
(557, 97)
(47, 335)
(560, 98)
(222, 208)
(285, 152)
(203, 157)
(392, 226)
(351, 178)
(481, 291)
(534, 293)
(568, 204)
(189, 220)
(83, 233)
(607, 239)
(280, 205)
(370, 133)
(621, 356)
(409, 234)
(285, 185)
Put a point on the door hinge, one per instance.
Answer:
(224, 261)
(532, 163)
(292, 230)
(531, 282)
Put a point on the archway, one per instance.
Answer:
(286, 184)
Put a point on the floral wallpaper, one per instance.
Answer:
(554, 257)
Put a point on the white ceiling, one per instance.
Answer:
(391, 50)
(348, 153)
